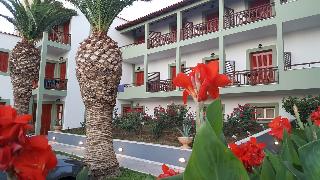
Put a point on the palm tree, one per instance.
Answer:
(30, 20)
(98, 71)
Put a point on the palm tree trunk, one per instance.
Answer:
(24, 67)
(99, 71)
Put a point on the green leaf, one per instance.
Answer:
(211, 159)
(294, 171)
(297, 140)
(310, 160)
(288, 151)
(281, 171)
(177, 177)
(267, 171)
(83, 174)
(214, 116)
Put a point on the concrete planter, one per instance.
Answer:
(185, 141)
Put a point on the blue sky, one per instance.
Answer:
(135, 11)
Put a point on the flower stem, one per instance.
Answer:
(296, 113)
(199, 117)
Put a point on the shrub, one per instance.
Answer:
(131, 121)
(171, 117)
(306, 105)
(241, 121)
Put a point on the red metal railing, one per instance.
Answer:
(56, 83)
(253, 77)
(60, 37)
(200, 29)
(248, 16)
(162, 40)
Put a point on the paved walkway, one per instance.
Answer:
(136, 164)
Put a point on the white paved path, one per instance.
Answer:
(136, 164)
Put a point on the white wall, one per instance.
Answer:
(237, 51)
(161, 65)
(162, 26)
(127, 72)
(303, 45)
(7, 43)
(192, 59)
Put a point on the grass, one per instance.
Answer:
(125, 174)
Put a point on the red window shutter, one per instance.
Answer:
(4, 58)
(45, 119)
(253, 61)
(59, 112)
(63, 69)
(49, 71)
(66, 32)
(173, 71)
(138, 109)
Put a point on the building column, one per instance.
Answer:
(221, 14)
(146, 34)
(145, 69)
(222, 55)
(280, 47)
(179, 25)
(41, 82)
(178, 60)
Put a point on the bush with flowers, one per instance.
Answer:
(212, 158)
(241, 123)
(23, 157)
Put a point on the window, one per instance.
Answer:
(126, 108)
(265, 113)
(4, 58)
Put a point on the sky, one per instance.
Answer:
(138, 9)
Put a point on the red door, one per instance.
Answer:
(66, 31)
(139, 78)
(261, 66)
(4, 58)
(60, 113)
(45, 119)
(49, 71)
(63, 69)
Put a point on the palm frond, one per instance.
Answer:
(32, 19)
(101, 13)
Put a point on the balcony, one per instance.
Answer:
(254, 77)
(53, 84)
(190, 30)
(60, 37)
(157, 39)
(249, 16)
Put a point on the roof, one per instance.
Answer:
(155, 14)
(11, 34)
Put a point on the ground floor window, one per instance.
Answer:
(265, 113)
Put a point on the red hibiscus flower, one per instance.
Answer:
(315, 116)
(202, 82)
(251, 153)
(278, 125)
(167, 172)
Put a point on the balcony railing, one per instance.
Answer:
(60, 37)
(161, 40)
(200, 29)
(160, 85)
(254, 77)
(248, 16)
(302, 65)
(56, 84)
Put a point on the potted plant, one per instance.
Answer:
(58, 126)
(185, 139)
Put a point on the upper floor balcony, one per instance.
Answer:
(60, 34)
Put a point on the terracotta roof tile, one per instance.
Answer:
(155, 14)
(11, 34)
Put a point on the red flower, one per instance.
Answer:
(250, 153)
(315, 116)
(202, 82)
(167, 172)
(278, 125)
(13, 127)
(35, 160)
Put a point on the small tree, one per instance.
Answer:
(306, 105)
